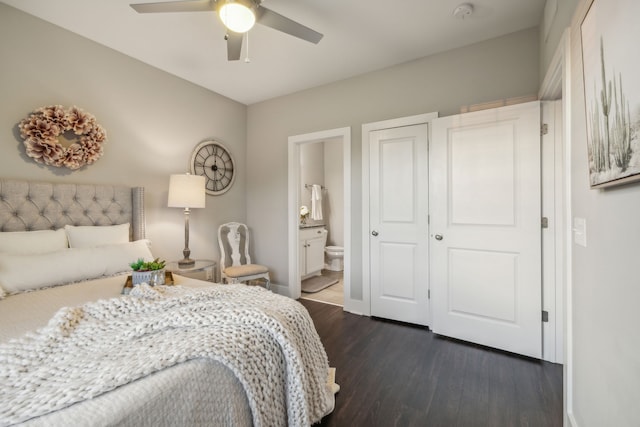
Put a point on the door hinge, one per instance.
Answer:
(428, 293)
(544, 129)
(545, 222)
(545, 316)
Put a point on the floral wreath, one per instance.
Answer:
(42, 128)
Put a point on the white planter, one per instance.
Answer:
(155, 277)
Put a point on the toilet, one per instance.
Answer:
(335, 258)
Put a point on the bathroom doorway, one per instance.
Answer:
(319, 248)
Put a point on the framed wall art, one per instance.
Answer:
(611, 68)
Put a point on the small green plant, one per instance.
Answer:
(142, 265)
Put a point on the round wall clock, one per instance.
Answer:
(213, 161)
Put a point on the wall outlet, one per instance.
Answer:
(580, 231)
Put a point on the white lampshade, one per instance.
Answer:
(237, 15)
(186, 191)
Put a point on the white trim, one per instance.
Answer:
(322, 301)
(571, 420)
(281, 290)
(553, 239)
(551, 87)
(551, 145)
(364, 306)
(567, 291)
(344, 134)
(560, 205)
(557, 82)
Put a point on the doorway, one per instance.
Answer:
(395, 298)
(399, 221)
(555, 181)
(337, 141)
(320, 195)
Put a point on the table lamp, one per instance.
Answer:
(186, 191)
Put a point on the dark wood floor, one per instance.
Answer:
(392, 374)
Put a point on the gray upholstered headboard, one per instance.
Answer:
(28, 206)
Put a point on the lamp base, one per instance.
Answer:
(186, 263)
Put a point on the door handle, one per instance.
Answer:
(438, 236)
(374, 233)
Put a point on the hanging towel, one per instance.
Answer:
(316, 202)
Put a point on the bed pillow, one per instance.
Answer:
(33, 242)
(19, 273)
(117, 258)
(87, 236)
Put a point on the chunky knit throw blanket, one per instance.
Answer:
(267, 340)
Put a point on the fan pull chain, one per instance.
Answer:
(246, 59)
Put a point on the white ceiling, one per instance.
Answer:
(359, 36)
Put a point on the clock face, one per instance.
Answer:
(212, 160)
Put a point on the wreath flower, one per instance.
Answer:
(44, 126)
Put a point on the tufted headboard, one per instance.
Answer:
(27, 206)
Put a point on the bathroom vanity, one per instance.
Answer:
(312, 241)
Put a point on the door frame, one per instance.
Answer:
(295, 142)
(364, 306)
(553, 241)
(557, 85)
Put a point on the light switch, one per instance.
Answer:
(580, 231)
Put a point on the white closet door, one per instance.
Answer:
(398, 209)
(485, 228)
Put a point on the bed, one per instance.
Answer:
(75, 351)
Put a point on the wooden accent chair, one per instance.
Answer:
(235, 261)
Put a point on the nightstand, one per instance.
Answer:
(204, 269)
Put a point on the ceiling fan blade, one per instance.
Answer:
(175, 6)
(281, 23)
(234, 45)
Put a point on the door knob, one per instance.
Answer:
(438, 236)
(374, 233)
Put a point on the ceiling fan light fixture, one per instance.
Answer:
(237, 16)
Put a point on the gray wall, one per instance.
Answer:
(333, 203)
(605, 288)
(311, 172)
(606, 283)
(153, 122)
(496, 69)
(559, 21)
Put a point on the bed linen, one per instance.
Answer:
(198, 391)
(29, 311)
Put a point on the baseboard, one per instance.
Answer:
(355, 307)
(280, 289)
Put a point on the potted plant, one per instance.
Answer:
(151, 272)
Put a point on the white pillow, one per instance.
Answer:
(87, 236)
(117, 258)
(19, 273)
(33, 242)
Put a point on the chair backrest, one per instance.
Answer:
(233, 238)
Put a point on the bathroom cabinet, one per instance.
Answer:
(312, 242)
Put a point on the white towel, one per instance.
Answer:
(316, 202)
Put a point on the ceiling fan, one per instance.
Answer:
(238, 16)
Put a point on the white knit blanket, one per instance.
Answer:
(267, 340)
